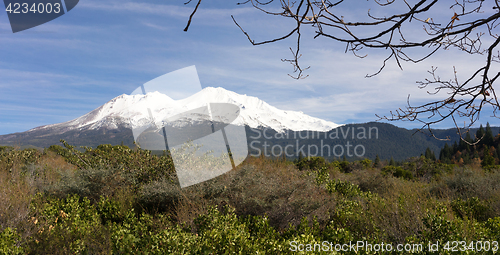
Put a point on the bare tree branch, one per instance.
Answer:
(192, 14)
(469, 26)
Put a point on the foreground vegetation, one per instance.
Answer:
(115, 200)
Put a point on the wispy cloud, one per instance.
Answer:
(162, 9)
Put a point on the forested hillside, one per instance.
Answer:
(382, 139)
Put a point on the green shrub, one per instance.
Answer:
(345, 188)
(356, 217)
(439, 227)
(10, 158)
(322, 176)
(159, 196)
(472, 208)
(9, 240)
(345, 166)
(426, 169)
(398, 172)
(224, 233)
(367, 163)
(132, 235)
(91, 183)
(310, 163)
(493, 226)
(110, 210)
(141, 163)
(6, 148)
(67, 226)
(335, 234)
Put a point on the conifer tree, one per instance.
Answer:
(392, 163)
(480, 134)
(469, 140)
(466, 158)
(377, 161)
(429, 154)
(488, 136)
(498, 150)
(454, 148)
(446, 153)
(462, 145)
(476, 155)
(301, 155)
(488, 160)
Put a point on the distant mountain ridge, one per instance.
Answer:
(392, 141)
(110, 124)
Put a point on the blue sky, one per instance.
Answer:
(67, 67)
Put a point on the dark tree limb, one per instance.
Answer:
(471, 28)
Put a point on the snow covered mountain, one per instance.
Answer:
(126, 109)
(111, 124)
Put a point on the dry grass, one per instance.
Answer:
(401, 204)
(15, 196)
(260, 186)
(19, 181)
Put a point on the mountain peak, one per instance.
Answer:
(218, 89)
